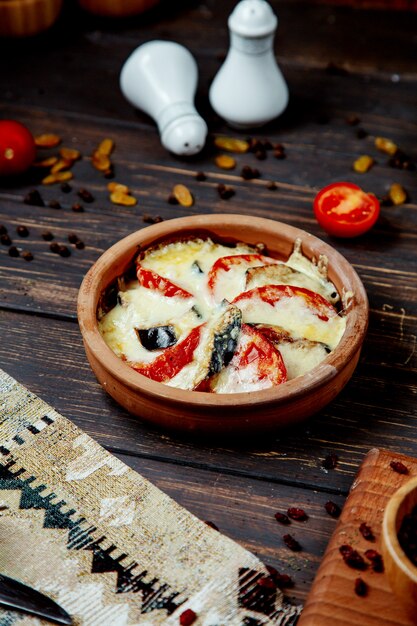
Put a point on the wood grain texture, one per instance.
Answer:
(332, 601)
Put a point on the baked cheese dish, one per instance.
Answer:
(201, 315)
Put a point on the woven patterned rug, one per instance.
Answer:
(113, 550)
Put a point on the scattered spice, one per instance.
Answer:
(397, 194)
(332, 509)
(402, 161)
(54, 204)
(64, 251)
(22, 231)
(85, 195)
(352, 558)
(225, 192)
(292, 543)
(225, 162)
(47, 140)
(183, 195)
(361, 133)
(13, 251)
(231, 144)
(375, 558)
(261, 155)
(34, 198)
(399, 467)
(66, 188)
(172, 199)
(3, 230)
(363, 164)
(80, 245)
(267, 582)
(59, 177)
(385, 201)
(407, 535)
(47, 235)
(77, 207)
(281, 580)
(282, 518)
(72, 238)
(54, 247)
(330, 462)
(366, 532)
(5, 239)
(27, 255)
(152, 219)
(201, 177)
(361, 588)
(110, 172)
(386, 145)
(279, 151)
(298, 515)
(271, 185)
(211, 524)
(187, 617)
(248, 173)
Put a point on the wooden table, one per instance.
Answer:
(339, 63)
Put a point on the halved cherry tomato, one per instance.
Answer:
(273, 293)
(172, 360)
(152, 280)
(17, 148)
(237, 261)
(345, 210)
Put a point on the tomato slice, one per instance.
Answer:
(172, 360)
(256, 364)
(152, 280)
(274, 293)
(222, 266)
(345, 210)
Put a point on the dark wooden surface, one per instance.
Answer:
(66, 81)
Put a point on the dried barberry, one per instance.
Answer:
(332, 509)
(398, 467)
(366, 532)
(298, 515)
(187, 617)
(330, 462)
(5, 240)
(260, 155)
(281, 580)
(152, 219)
(361, 133)
(34, 198)
(54, 204)
(3, 230)
(267, 582)
(77, 207)
(352, 558)
(282, 518)
(22, 231)
(201, 177)
(279, 153)
(225, 192)
(66, 188)
(375, 558)
(292, 543)
(72, 238)
(401, 161)
(27, 255)
(272, 186)
(85, 195)
(64, 251)
(47, 235)
(13, 251)
(80, 245)
(352, 120)
(211, 524)
(248, 173)
(172, 199)
(361, 588)
(54, 247)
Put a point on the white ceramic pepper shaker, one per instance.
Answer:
(160, 77)
(249, 89)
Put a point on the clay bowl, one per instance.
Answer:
(23, 18)
(401, 572)
(233, 413)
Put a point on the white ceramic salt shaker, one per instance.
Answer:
(249, 90)
(160, 77)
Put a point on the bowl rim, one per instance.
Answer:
(389, 530)
(320, 375)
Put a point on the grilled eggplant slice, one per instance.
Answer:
(157, 337)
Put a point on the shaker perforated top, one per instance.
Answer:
(253, 18)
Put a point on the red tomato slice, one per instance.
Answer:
(256, 364)
(226, 263)
(345, 210)
(152, 280)
(17, 148)
(172, 360)
(273, 293)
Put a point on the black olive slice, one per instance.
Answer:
(157, 337)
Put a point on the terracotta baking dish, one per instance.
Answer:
(204, 412)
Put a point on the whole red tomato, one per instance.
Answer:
(17, 148)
